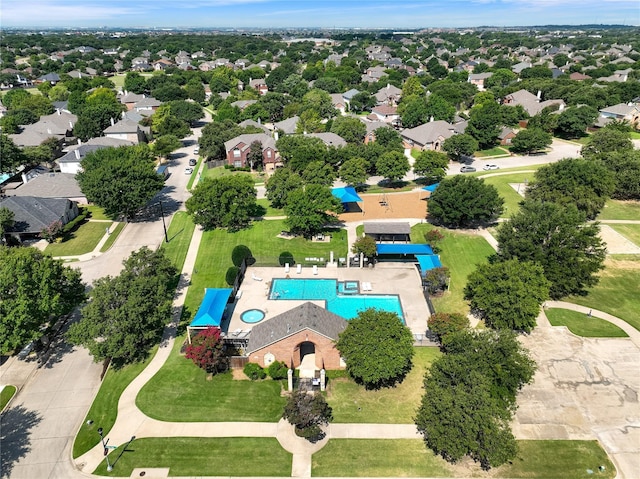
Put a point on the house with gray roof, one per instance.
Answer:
(58, 125)
(238, 149)
(329, 139)
(429, 136)
(33, 214)
(50, 185)
(533, 104)
(126, 130)
(629, 112)
(288, 126)
(307, 332)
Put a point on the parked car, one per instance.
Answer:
(192, 162)
(188, 171)
(490, 167)
(196, 150)
(467, 169)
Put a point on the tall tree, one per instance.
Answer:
(440, 109)
(388, 138)
(625, 165)
(10, 155)
(393, 165)
(127, 313)
(121, 180)
(280, 184)
(507, 294)
(463, 201)
(604, 141)
(431, 165)
(311, 208)
(556, 237)
(134, 82)
(6, 221)
(413, 111)
(531, 139)
(36, 290)
(377, 347)
(351, 129)
(484, 123)
(223, 202)
(574, 121)
(460, 145)
(320, 173)
(354, 171)
(307, 412)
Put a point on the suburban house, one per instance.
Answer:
(126, 130)
(147, 104)
(388, 95)
(238, 149)
(330, 139)
(129, 99)
(478, 79)
(372, 126)
(255, 124)
(33, 214)
(339, 103)
(506, 135)
(305, 333)
(58, 125)
(373, 74)
(385, 113)
(70, 161)
(531, 103)
(429, 136)
(46, 184)
(629, 112)
(288, 126)
(259, 85)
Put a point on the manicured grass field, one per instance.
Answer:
(620, 210)
(460, 252)
(634, 135)
(617, 291)
(194, 175)
(181, 392)
(270, 211)
(118, 80)
(112, 237)
(80, 241)
(496, 151)
(631, 232)
(5, 395)
(378, 458)
(582, 325)
(511, 197)
(193, 456)
(410, 458)
(214, 256)
(96, 212)
(104, 409)
(352, 403)
(179, 232)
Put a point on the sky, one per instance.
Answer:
(395, 14)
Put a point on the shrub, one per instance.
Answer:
(232, 274)
(307, 412)
(277, 370)
(76, 221)
(206, 350)
(239, 253)
(285, 257)
(442, 324)
(254, 372)
(51, 232)
(433, 238)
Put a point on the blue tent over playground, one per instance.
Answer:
(211, 309)
(400, 248)
(346, 195)
(431, 188)
(428, 262)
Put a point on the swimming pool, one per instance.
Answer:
(345, 305)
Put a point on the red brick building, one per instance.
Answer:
(239, 147)
(305, 330)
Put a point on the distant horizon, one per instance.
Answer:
(314, 14)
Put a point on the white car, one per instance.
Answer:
(188, 171)
(196, 150)
(490, 167)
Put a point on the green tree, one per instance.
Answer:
(195, 91)
(393, 165)
(186, 111)
(223, 202)
(354, 171)
(431, 165)
(7, 218)
(280, 184)
(625, 165)
(93, 119)
(531, 139)
(361, 102)
(605, 141)
(500, 78)
(320, 173)
(460, 145)
(440, 109)
(300, 150)
(311, 208)
(587, 184)
(36, 290)
(484, 123)
(206, 350)
(319, 101)
(307, 412)
(546, 120)
(443, 324)
(169, 92)
(365, 245)
(574, 121)
(127, 313)
(412, 87)
(556, 237)
(351, 129)
(11, 156)
(507, 294)
(463, 201)
(134, 82)
(121, 180)
(377, 347)
(413, 111)
(388, 138)
(165, 144)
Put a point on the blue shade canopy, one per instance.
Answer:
(212, 307)
(346, 195)
(431, 188)
(428, 262)
(403, 248)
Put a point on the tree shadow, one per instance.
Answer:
(56, 347)
(17, 423)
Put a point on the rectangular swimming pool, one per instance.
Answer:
(346, 305)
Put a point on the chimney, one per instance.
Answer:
(388, 86)
(77, 152)
(71, 124)
(24, 178)
(49, 131)
(112, 122)
(539, 95)
(59, 112)
(431, 119)
(259, 121)
(79, 142)
(275, 135)
(561, 107)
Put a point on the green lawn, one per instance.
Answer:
(113, 236)
(214, 256)
(96, 212)
(410, 458)
(118, 80)
(620, 210)
(511, 197)
(378, 457)
(181, 392)
(83, 239)
(104, 409)
(270, 211)
(617, 291)
(460, 252)
(222, 171)
(496, 151)
(5, 395)
(631, 232)
(353, 403)
(194, 175)
(634, 135)
(582, 325)
(192, 456)
(180, 232)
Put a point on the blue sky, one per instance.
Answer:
(307, 13)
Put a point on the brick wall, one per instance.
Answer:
(327, 355)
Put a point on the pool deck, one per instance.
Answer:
(402, 279)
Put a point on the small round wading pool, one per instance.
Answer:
(252, 316)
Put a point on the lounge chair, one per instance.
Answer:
(299, 268)
(315, 269)
(286, 267)
(255, 278)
